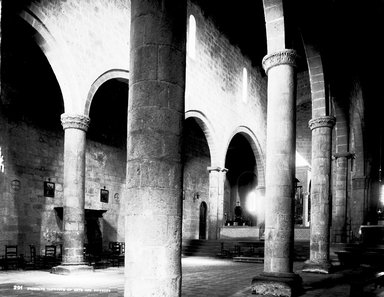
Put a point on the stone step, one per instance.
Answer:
(248, 259)
(212, 248)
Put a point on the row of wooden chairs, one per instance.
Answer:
(117, 253)
(51, 257)
(12, 259)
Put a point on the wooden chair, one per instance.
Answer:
(121, 257)
(50, 258)
(117, 253)
(11, 258)
(33, 260)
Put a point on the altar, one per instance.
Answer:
(231, 232)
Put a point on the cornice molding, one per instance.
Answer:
(346, 155)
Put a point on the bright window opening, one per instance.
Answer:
(191, 46)
(1, 162)
(245, 86)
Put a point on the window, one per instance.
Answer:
(191, 46)
(245, 86)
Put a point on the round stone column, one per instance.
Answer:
(154, 149)
(320, 195)
(75, 127)
(216, 200)
(278, 278)
(339, 205)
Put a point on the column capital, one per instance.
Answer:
(326, 121)
(347, 155)
(287, 56)
(217, 169)
(75, 121)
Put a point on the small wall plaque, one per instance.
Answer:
(104, 195)
(49, 189)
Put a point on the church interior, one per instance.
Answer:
(146, 125)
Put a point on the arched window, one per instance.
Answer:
(191, 47)
(245, 86)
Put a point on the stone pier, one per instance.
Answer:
(339, 205)
(278, 278)
(154, 148)
(216, 201)
(75, 128)
(320, 195)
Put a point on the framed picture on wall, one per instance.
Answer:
(49, 189)
(104, 195)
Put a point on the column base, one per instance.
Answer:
(71, 269)
(313, 267)
(277, 284)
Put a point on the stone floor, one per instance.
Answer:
(201, 277)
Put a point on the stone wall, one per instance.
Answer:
(303, 116)
(196, 178)
(215, 87)
(82, 40)
(33, 156)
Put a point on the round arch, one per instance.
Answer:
(208, 131)
(275, 25)
(256, 148)
(319, 92)
(110, 74)
(58, 58)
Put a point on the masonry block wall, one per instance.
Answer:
(196, 178)
(32, 156)
(77, 41)
(82, 40)
(303, 116)
(214, 88)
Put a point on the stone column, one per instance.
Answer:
(339, 205)
(75, 127)
(216, 201)
(154, 148)
(260, 209)
(359, 207)
(278, 278)
(320, 195)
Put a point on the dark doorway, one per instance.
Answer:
(203, 221)
(94, 238)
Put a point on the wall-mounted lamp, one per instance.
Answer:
(196, 196)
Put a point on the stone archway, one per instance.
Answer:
(196, 182)
(241, 180)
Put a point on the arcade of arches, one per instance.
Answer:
(153, 122)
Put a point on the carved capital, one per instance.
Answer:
(327, 121)
(217, 169)
(346, 155)
(288, 56)
(72, 121)
(213, 168)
